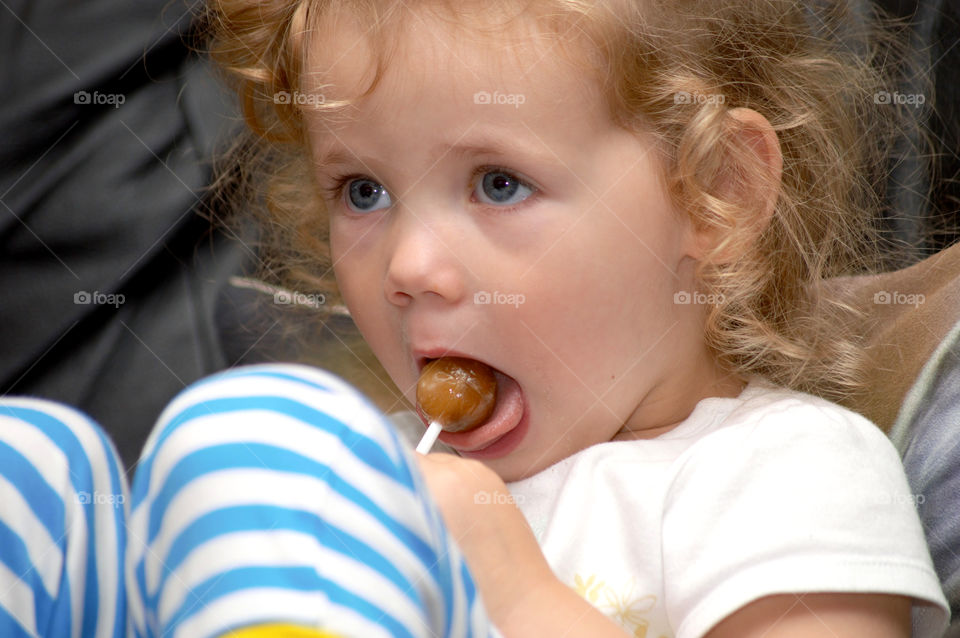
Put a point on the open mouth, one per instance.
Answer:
(501, 432)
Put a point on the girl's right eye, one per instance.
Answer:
(365, 196)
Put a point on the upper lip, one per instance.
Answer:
(422, 356)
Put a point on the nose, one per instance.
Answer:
(423, 261)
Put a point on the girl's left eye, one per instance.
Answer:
(500, 188)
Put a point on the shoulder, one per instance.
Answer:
(761, 401)
(790, 493)
(781, 448)
(783, 423)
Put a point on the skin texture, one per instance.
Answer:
(597, 252)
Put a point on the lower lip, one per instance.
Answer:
(505, 444)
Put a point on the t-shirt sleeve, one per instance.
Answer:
(798, 497)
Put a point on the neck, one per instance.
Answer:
(669, 403)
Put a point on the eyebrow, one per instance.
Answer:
(480, 146)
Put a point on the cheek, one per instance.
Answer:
(338, 239)
(361, 288)
(350, 251)
(603, 295)
(357, 279)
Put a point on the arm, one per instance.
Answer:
(552, 609)
(522, 596)
(815, 615)
(563, 612)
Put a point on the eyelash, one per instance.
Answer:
(340, 182)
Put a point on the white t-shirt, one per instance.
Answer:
(770, 492)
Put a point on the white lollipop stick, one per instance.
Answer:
(429, 437)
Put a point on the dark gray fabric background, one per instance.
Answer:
(101, 199)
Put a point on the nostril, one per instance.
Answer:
(398, 297)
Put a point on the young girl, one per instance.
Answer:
(626, 209)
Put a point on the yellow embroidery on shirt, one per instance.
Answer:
(588, 590)
(629, 611)
(625, 607)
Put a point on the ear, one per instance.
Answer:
(745, 188)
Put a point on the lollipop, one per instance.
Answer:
(455, 395)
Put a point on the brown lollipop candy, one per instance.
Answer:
(458, 393)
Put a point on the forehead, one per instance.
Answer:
(431, 52)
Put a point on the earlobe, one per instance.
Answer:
(746, 189)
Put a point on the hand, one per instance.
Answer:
(498, 544)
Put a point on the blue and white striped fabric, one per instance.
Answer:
(62, 535)
(278, 494)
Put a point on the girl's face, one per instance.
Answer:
(491, 209)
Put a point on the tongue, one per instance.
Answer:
(506, 415)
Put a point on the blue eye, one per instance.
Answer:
(500, 188)
(366, 196)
